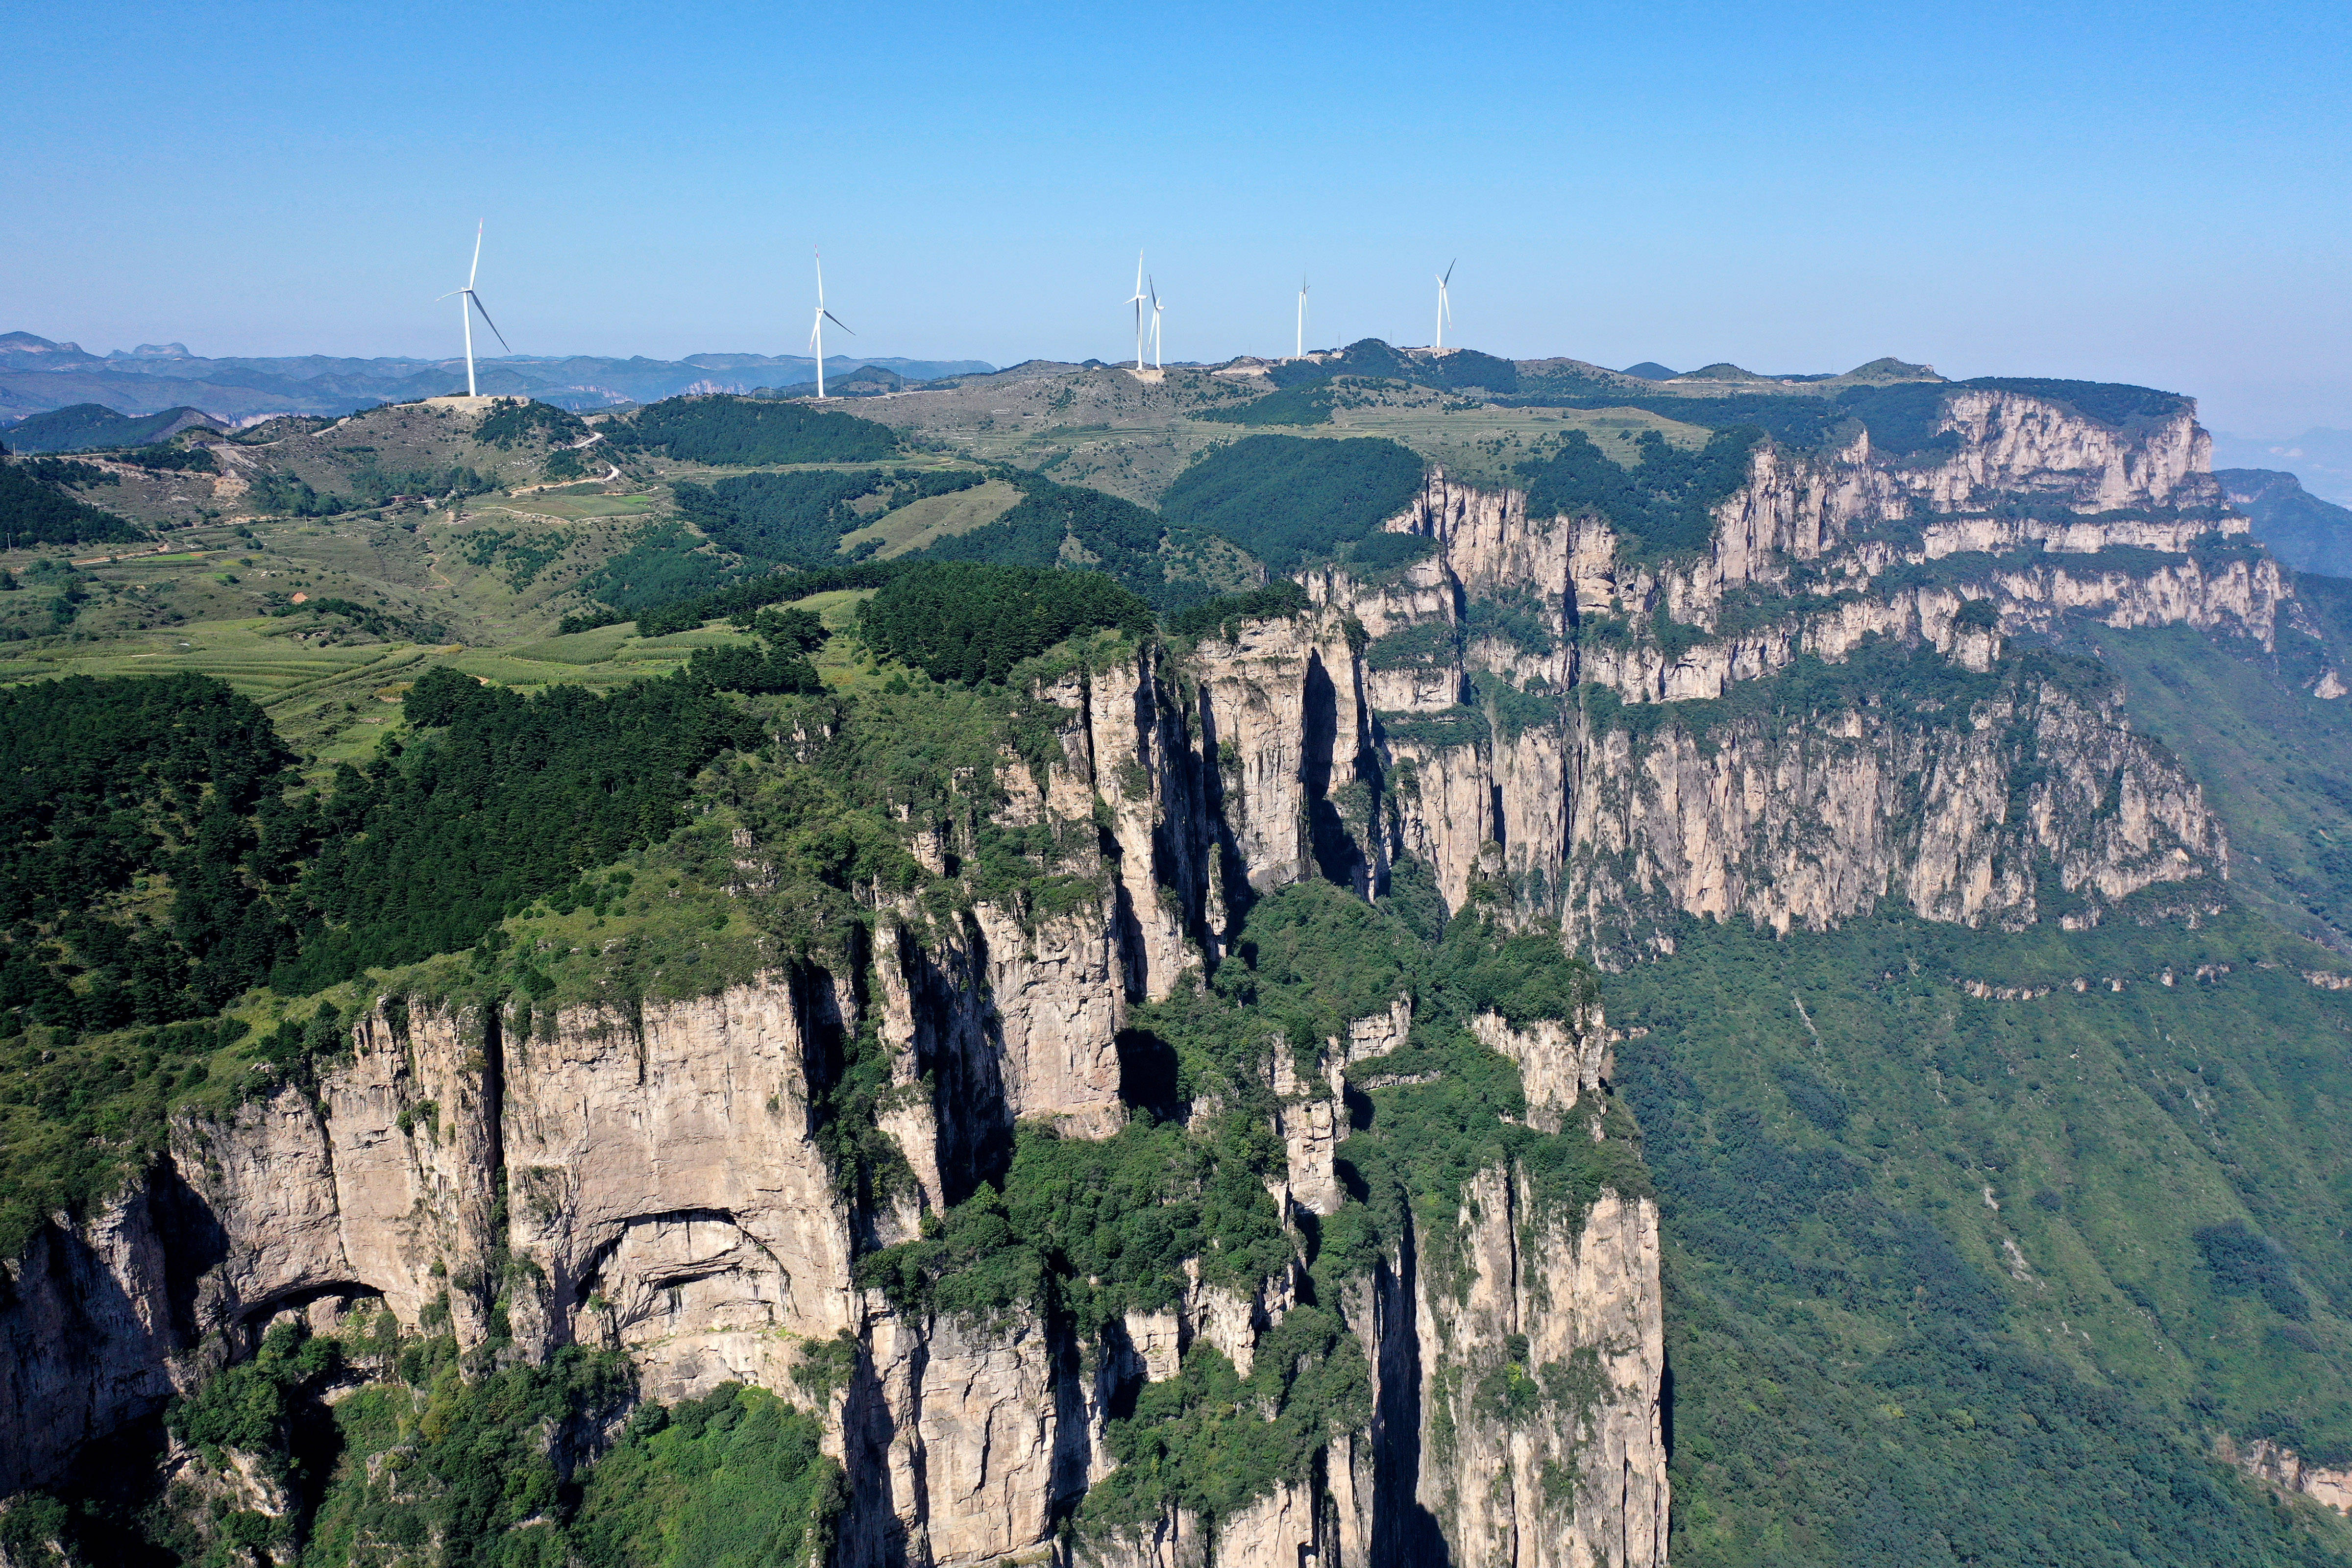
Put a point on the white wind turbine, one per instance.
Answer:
(1139, 302)
(1445, 306)
(1301, 352)
(816, 328)
(467, 302)
(1156, 309)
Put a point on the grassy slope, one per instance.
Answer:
(918, 524)
(1104, 428)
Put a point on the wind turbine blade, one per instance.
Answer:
(477, 267)
(820, 276)
(1449, 272)
(837, 322)
(477, 298)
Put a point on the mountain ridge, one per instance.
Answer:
(1674, 1007)
(36, 373)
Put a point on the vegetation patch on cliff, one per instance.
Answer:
(1665, 505)
(423, 1455)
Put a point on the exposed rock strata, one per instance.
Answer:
(657, 1175)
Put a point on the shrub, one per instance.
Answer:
(513, 419)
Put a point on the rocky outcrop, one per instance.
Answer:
(1506, 781)
(1807, 827)
(1543, 1434)
(2284, 1468)
(1536, 718)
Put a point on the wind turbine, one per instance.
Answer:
(1301, 352)
(816, 328)
(1139, 302)
(1156, 309)
(1444, 309)
(465, 297)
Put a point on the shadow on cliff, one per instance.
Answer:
(89, 1328)
(872, 1534)
(1404, 1533)
(1339, 857)
(193, 1243)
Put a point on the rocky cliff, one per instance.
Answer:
(1535, 720)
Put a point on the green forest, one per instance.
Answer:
(424, 1450)
(964, 621)
(1289, 499)
(1893, 1207)
(1127, 542)
(497, 799)
(800, 516)
(747, 431)
(35, 510)
(1308, 405)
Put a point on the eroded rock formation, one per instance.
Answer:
(1535, 717)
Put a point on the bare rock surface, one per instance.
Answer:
(658, 1170)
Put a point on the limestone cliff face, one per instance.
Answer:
(1544, 1351)
(1807, 827)
(89, 1318)
(1535, 717)
(652, 1182)
(1503, 771)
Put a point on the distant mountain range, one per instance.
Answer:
(37, 374)
(2321, 458)
(2306, 533)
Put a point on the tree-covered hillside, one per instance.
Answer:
(2306, 533)
(1663, 505)
(800, 516)
(1287, 499)
(35, 508)
(966, 622)
(753, 431)
(1959, 1279)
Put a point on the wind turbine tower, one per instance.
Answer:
(468, 303)
(1445, 306)
(1156, 309)
(1301, 351)
(816, 328)
(1139, 302)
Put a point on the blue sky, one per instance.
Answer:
(2150, 192)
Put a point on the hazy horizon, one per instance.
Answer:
(2112, 193)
